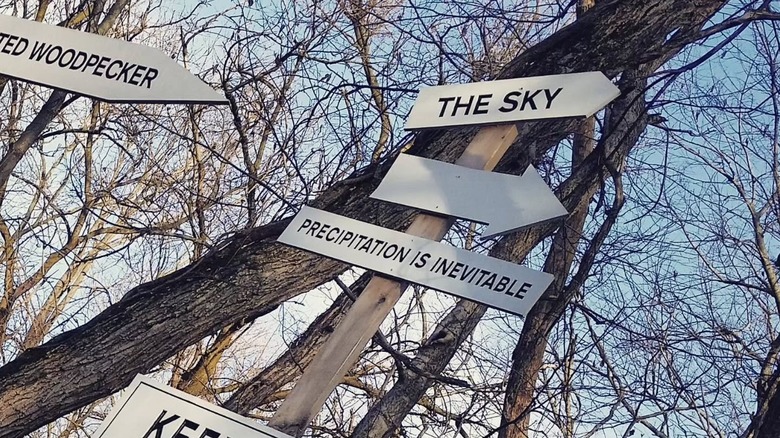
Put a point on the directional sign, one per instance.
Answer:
(510, 100)
(505, 202)
(463, 273)
(104, 68)
(151, 410)
(443, 267)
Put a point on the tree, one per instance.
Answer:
(338, 74)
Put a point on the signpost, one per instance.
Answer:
(574, 95)
(506, 202)
(512, 100)
(104, 68)
(151, 410)
(477, 277)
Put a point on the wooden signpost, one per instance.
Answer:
(571, 95)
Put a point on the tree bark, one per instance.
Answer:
(515, 418)
(628, 119)
(253, 273)
(767, 421)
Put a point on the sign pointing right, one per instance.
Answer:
(511, 100)
(505, 202)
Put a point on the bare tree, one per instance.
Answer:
(141, 238)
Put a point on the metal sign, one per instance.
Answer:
(477, 277)
(97, 66)
(505, 202)
(151, 410)
(510, 100)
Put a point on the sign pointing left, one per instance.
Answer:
(505, 202)
(97, 66)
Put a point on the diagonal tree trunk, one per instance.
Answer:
(252, 274)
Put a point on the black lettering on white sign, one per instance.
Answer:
(520, 100)
(473, 275)
(159, 424)
(77, 60)
(161, 431)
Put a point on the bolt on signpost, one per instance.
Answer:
(417, 256)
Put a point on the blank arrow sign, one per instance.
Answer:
(505, 202)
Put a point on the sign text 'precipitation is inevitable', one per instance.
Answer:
(97, 66)
(509, 100)
(443, 267)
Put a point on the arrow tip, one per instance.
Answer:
(541, 206)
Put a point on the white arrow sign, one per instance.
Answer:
(151, 410)
(443, 267)
(104, 68)
(510, 100)
(505, 202)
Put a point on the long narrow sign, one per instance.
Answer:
(506, 202)
(511, 100)
(104, 68)
(477, 277)
(151, 410)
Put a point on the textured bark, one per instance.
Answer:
(384, 418)
(515, 424)
(515, 419)
(628, 120)
(767, 421)
(252, 274)
(630, 112)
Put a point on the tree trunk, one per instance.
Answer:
(253, 273)
(630, 112)
(628, 120)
